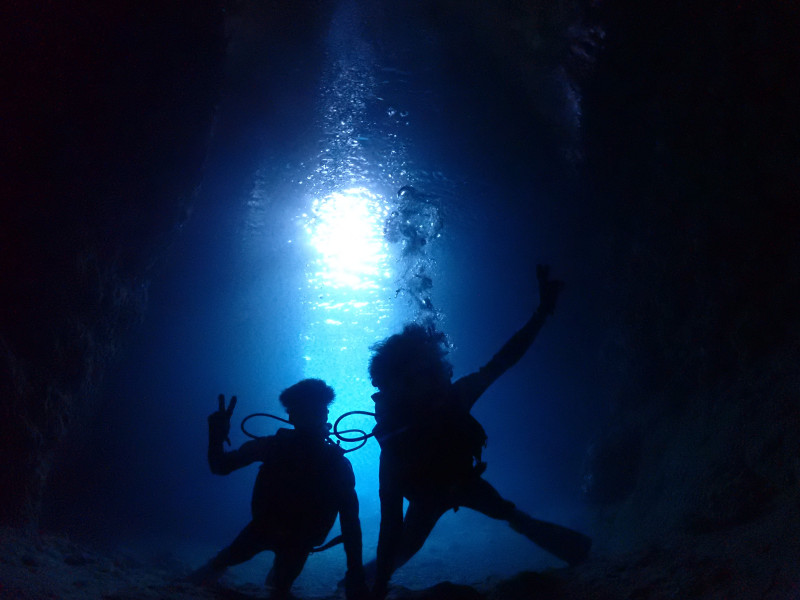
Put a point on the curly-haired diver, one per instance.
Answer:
(431, 445)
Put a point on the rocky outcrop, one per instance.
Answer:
(107, 116)
(691, 136)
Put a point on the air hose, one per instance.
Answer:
(363, 438)
(339, 539)
(364, 435)
(248, 417)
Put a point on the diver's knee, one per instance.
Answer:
(508, 510)
(519, 520)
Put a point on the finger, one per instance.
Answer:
(232, 405)
(221, 400)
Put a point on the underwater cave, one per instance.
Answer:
(230, 196)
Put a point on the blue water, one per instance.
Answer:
(258, 292)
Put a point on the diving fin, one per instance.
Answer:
(567, 544)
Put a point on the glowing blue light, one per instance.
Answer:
(346, 229)
(348, 299)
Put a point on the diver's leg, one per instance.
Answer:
(287, 566)
(567, 544)
(246, 545)
(478, 494)
(570, 546)
(421, 517)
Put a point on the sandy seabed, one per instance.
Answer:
(760, 560)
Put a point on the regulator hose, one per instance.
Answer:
(362, 438)
(364, 435)
(248, 417)
(339, 539)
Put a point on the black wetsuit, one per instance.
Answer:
(428, 457)
(303, 483)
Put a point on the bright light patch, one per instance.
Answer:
(349, 272)
(346, 229)
(348, 300)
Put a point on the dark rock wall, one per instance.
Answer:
(692, 145)
(685, 140)
(107, 112)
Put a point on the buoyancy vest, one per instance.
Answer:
(439, 447)
(299, 486)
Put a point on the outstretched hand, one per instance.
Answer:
(219, 422)
(548, 289)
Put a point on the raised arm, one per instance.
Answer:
(472, 386)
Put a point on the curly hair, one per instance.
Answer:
(307, 394)
(417, 351)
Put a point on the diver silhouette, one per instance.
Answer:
(431, 445)
(304, 482)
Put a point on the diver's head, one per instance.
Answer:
(307, 403)
(412, 362)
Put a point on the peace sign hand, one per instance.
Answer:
(219, 422)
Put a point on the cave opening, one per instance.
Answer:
(236, 196)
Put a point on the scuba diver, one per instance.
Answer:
(304, 482)
(431, 445)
